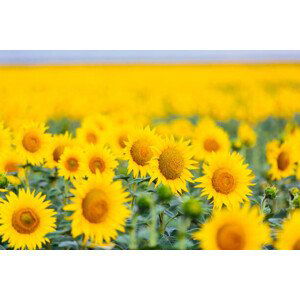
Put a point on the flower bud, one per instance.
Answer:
(237, 145)
(271, 192)
(191, 207)
(164, 193)
(144, 202)
(295, 195)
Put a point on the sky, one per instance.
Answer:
(17, 57)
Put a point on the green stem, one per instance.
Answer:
(133, 240)
(153, 230)
(183, 226)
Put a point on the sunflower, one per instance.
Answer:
(139, 150)
(100, 121)
(58, 143)
(5, 138)
(99, 159)
(289, 237)
(117, 139)
(171, 164)
(89, 133)
(11, 162)
(236, 229)
(32, 142)
(26, 219)
(247, 135)
(181, 128)
(71, 163)
(98, 208)
(281, 157)
(208, 139)
(226, 179)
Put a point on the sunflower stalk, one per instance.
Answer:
(133, 238)
(153, 223)
(182, 229)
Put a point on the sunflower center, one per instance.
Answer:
(222, 181)
(91, 138)
(31, 142)
(230, 237)
(11, 167)
(171, 163)
(94, 206)
(96, 163)
(283, 160)
(58, 151)
(72, 164)
(211, 145)
(25, 221)
(122, 140)
(297, 245)
(141, 152)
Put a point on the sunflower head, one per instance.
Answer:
(139, 150)
(32, 142)
(226, 180)
(70, 164)
(181, 128)
(90, 134)
(281, 158)
(26, 219)
(236, 229)
(171, 164)
(209, 139)
(99, 159)
(58, 143)
(98, 208)
(11, 162)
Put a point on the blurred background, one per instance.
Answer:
(146, 56)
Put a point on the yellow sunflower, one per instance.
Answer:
(57, 144)
(70, 164)
(99, 209)
(281, 158)
(11, 162)
(171, 164)
(32, 142)
(139, 150)
(99, 159)
(247, 135)
(226, 180)
(117, 139)
(26, 219)
(100, 121)
(237, 229)
(208, 139)
(181, 128)
(89, 133)
(289, 237)
(5, 138)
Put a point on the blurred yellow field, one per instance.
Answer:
(246, 92)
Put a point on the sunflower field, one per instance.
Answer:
(150, 157)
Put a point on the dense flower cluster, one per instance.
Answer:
(150, 157)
